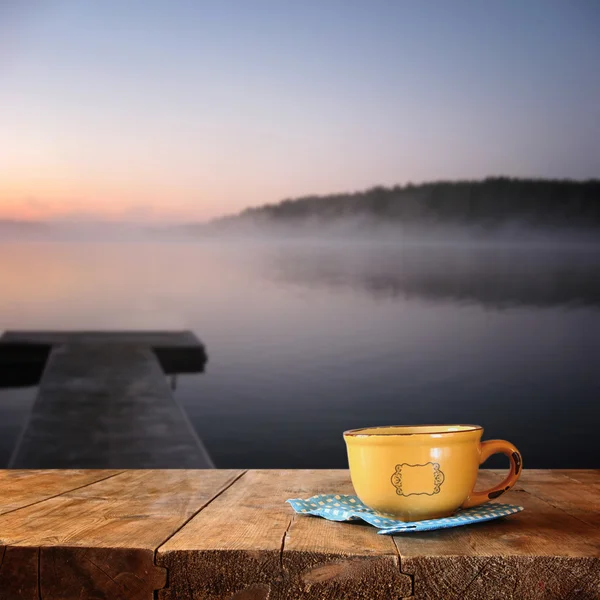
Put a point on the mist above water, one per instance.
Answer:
(75, 230)
(356, 333)
(368, 229)
(309, 231)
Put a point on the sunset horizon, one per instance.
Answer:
(142, 216)
(173, 112)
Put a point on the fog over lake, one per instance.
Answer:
(307, 338)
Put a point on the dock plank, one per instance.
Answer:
(107, 405)
(99, 541)
(154, 339)
(23, 354)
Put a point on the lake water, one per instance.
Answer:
(306, 340)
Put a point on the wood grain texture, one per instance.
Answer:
(504, 578)
(99, 541)
(21, 488)
(231, 536)
(323, 560)
(247, 544)
(578, 494)
(578, 475)
(541, 553)
(73, 573)
(19, 573)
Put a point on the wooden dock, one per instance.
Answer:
(104, 402)
(23, 354)
(229, 535)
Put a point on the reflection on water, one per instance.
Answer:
(308, 340)
(491, 277)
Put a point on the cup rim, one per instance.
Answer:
(465, 428)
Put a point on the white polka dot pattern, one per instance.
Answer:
(349, 508)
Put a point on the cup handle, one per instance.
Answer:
(516, 466)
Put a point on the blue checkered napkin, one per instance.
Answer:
(349, 508)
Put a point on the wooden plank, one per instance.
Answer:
(579, 475)
(154, 339)
(22, 488)
(323, 559)
(107, 406)
(23, 354)
(99, 541)
(540, 553)
(18, 573)
(238, 540)
(247, 545)
(580, 499)
(577, 492)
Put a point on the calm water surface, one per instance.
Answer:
(307, 340)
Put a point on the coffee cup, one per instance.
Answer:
(414, 473)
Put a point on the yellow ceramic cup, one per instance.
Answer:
(422, 472)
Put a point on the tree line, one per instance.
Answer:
(491, 201)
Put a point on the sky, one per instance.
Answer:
(185, 110)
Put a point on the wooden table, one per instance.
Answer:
(91, 535)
